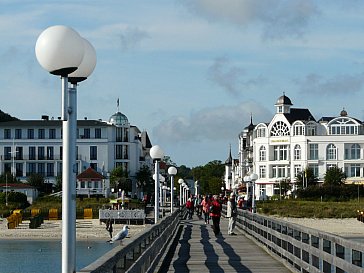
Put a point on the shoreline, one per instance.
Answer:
(86, 230)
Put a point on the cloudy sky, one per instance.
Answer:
(191, 72)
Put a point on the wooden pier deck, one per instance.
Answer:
(197, 249)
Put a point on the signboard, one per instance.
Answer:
(121, 214)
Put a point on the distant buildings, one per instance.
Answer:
(35, 146)
(293, 141)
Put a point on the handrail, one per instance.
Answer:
(139, 254)
(304, 249)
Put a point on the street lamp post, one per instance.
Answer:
(172, 171)
(253, 178)
(61, 51)
(180, 182)
(156, 154)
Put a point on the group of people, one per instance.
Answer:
(211, 207)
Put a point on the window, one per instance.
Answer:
(118, 151)
(119, 134)
(343, 126)
(261, 131)
(299, 130)
(50, 169)
(355, 170)
(331, 152)
(355, 151)
(31, 168)
(262, 154)
(279, 129)
(93, 152)
(86, 133)
(280, 152)
(315, 169)
(279, 171)
(52, 133)
(30, 133)
(41, 153)
(50, 153)
(19, 169)
(297, 170)
(313, 151)
(297, 152)
(18, 134)
(93, 166)
(262, 171)
(329, 166)
(41, 169)
(97, 132)
(7, 153)
(31, 153)
(311, 129)
(19, 153)
(41, 134)
(7, 134)
(125, 152)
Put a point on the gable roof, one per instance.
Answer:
(299, 114)
(90, 174)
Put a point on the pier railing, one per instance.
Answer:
(303, 249)
(141, 253)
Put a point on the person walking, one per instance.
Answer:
(231, 213)
(189, 206)
(205, 204)
(215, 213)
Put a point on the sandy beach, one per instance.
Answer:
(345, 227)
(52, 230)
(94, 230)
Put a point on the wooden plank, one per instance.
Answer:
(199, 250)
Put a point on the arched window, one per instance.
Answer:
(355, 151)
(262, 154)
(343, 126)
(261, 131)
(299, 130)
(331, 152)
(297, 152)
(279, 129)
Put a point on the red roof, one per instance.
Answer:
(90, 174)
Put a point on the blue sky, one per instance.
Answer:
(191, 72)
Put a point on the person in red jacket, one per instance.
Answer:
(189, 206)
(215, 213)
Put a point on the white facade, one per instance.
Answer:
(293, 141)
(35, 146)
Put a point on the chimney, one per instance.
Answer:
(45, 117)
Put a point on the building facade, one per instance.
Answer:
(35, 146)
(293, 141)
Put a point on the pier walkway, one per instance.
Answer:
(197, 249)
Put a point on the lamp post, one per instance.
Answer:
(172, 171)
(61, 51)
(156, 154)
(253, 178)
(180, 182)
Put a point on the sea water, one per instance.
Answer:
(40, 256)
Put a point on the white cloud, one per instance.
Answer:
(231, 78)
(278, 19)
(338, 85)
(210, 124)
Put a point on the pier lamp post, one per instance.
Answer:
(61, 51)
(180, 182)
(253, 178)
(156, 154)
(172, 171)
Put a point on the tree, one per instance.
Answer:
(144, 179)
(58, 185)
(334, 176)
(308, 176)
(36, 180)
(209, 176)
(119, 179)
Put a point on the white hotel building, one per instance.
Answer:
(35, 146)
(294, 140)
